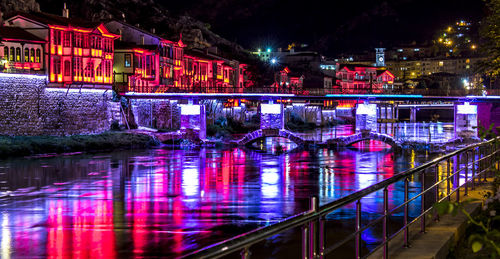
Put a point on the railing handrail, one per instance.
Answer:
(246, 239)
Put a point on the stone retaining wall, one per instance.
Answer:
(27, 107)
(156, 113)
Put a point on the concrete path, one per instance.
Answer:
(439, 236)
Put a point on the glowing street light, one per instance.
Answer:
(274, 61)
(268, 49)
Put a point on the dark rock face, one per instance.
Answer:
(8, 6)
(148, 15)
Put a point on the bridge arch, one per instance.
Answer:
(251, 137)
(345, 141)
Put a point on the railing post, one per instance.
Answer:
(473, 168)
(456, 165)
(405, 216)
(245, 253)
(357, 228)
(322, 237)
(436, 195)
(422, 204)
(484, 165)
(448, 181)
(313, 206)
(466, 173)
(385, 223)
(305, 241)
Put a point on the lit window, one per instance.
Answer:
(32, 55)
(38, 56)
(18, 54)
(128, 60)
(6, 53)
(26, 55)
(12, 54)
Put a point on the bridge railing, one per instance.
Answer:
(472, 163)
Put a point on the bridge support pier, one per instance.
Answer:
(271, 116)
(465, 120)
(193, 121)
(366, 117)
(413, 114)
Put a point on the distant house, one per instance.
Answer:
(362, 79)
(20, 51)
(287, 81)
(75, 52)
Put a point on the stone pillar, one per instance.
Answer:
(319, 116)
(465, 120)
(271, 116)
(413, 114)
(366, 117)
(193, 121)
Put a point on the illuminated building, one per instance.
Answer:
(360, 79)
(20, 51)
(413, 69)
(205, 71)
(76, 52)
(145, 62)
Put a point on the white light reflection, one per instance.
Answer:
(270, 180)
(190, 182)
(6, 237)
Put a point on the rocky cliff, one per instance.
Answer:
(147, 14)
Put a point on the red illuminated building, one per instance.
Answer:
(144, 61)
(360, 79)
(75, 52)
(20, 51)
(205, 71)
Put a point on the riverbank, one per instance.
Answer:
(108, 141)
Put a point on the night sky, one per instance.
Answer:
(332, 27)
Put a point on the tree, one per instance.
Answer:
(490, 34)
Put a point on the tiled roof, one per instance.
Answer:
(16, 33)
(46, 18)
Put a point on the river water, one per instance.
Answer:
(167, 202)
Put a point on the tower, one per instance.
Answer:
(380, 57)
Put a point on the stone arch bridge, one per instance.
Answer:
(345, 141)
(251, 137)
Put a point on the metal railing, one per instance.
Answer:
(471, 163)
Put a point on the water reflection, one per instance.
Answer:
(167, 202)
(416, 132)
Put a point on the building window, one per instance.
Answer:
(78, 40)
(18, 54)
(32, 55)
(12, 54)
(78, 68)
(6, 53)
(26, 55)
(38, 56)
(67, 39)
(99, 70)
(57, 66)
(86, 41)
(67, 68)
(128, 60)
(56, 37)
